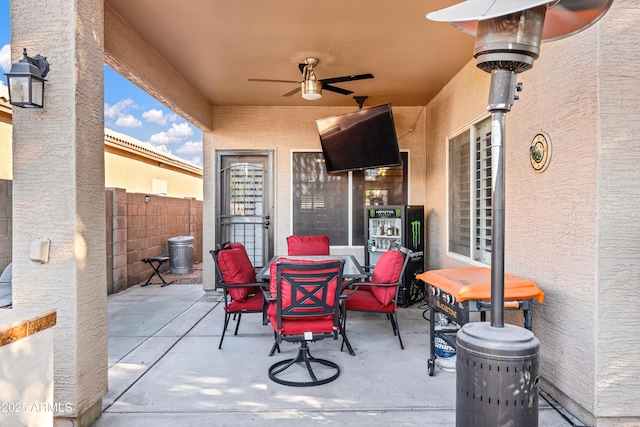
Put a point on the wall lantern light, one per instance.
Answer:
(26, 81)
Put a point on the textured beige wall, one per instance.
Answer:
(284, 129)
(136, 176)
(58, 194)
(573, 228)
(617, 366)
(459, 103)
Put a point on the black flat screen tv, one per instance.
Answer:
(360, 139)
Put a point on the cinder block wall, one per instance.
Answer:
(5, 223)
(138, 229)
(135, 229)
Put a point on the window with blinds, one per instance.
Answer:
(333, 204)
(469, 226)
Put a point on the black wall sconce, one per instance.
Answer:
(26, 81)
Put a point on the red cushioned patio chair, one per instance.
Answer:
(303, 307)
(308, 245)
(379, 292)
(237, 277)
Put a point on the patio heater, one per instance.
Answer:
(497, 364)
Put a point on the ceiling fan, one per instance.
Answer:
(311, 87)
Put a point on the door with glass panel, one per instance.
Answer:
(244, 202)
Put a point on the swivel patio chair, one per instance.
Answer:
(303, 307)
(379, 292)
(307, 245)
(237, 277)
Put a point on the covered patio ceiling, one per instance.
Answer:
(218, 45)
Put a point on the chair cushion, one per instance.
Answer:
(236, 268)
(317, 325)
(364, 300)
(253, 302)
(387, 270)
(308, 245)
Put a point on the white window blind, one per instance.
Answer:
(469, 226)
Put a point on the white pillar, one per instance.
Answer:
(208, 211)
(58, 194)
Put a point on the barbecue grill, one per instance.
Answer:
(455, 293)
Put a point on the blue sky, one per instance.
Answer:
(127, 108)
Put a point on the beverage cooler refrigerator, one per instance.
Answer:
(386, 226)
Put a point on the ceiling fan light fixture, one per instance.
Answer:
(311, 90)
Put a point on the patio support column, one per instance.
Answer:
(208, 211)
(58, 195)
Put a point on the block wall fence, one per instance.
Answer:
(5, 223)
(137, 229)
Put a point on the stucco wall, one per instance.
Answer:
(136, 174)
(58, 184)
(573, 228)
(284, 129)
(617, 366)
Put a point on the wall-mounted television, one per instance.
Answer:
(359, 140)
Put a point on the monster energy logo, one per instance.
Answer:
(415, 232)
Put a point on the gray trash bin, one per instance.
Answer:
(181, 254)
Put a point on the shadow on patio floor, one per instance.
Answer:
(165, 369)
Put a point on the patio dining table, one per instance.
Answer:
(352, 269)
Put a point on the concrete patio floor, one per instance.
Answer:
(165, 369)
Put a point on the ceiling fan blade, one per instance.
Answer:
(347, 78)
(293, 92)
(270, 80)
(336, 89)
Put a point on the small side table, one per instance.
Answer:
(155, 263)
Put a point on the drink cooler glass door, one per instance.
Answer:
(404, 226)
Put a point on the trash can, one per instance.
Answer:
(181, 254)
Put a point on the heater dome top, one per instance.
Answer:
(563, 17)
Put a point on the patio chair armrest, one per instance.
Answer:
(349, 287)
(242, 285)
(387, 285)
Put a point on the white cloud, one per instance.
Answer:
(177, 133)
(196, 161)
(163, 148)
(128, 121)
(118, 109)
(5, 58)
(191, 147)
(155, 116)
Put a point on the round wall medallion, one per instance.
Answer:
(540, 152)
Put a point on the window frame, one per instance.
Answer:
(350, 245)
(476, 257)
